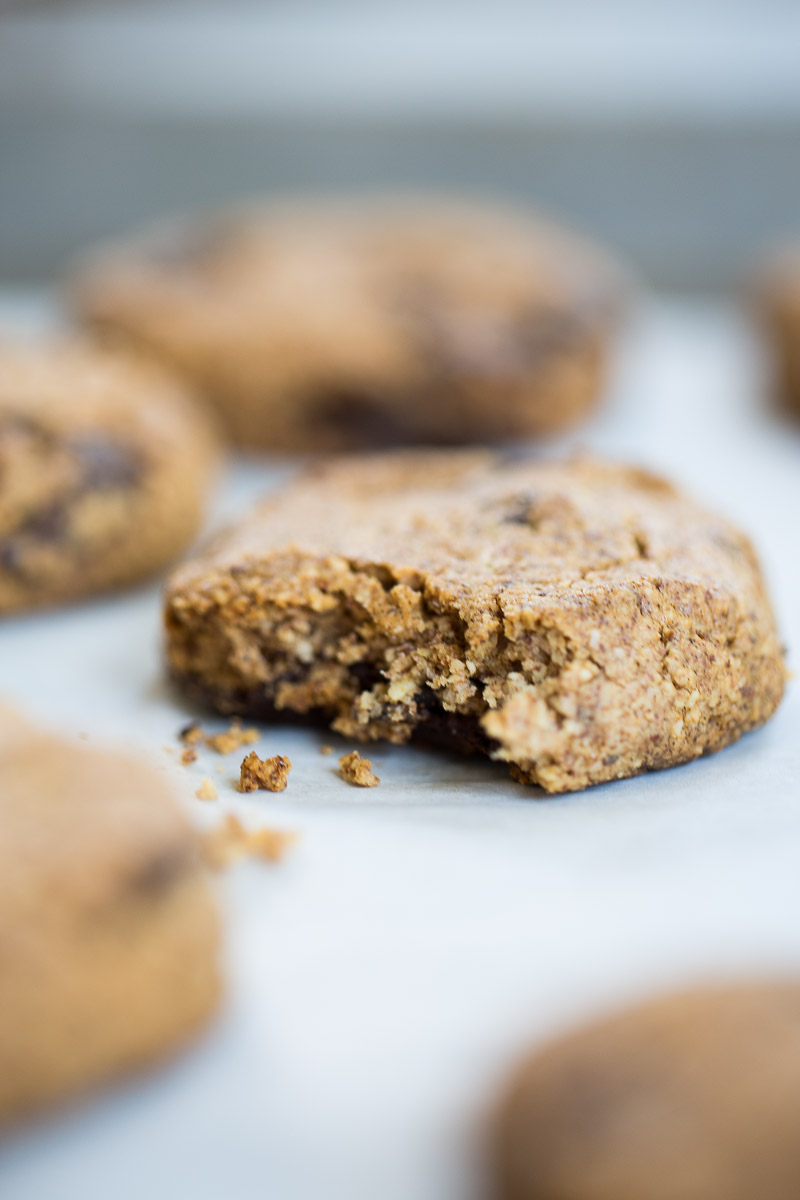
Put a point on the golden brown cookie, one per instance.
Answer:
(687, 1097)
(104, 468)
(581, 621)
(351, 324)
(776, 296)
(108, 934)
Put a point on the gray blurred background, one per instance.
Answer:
(671, 130)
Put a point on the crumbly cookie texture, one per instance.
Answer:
(581, 621)
(776, 297)
(265, 774)
(687, 1097)
(231, 842)
(353, 324)
(225, 742)
(207, 790)
(108, 933)
(104, 468)
(357, 770)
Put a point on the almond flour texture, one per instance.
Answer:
(582, 622)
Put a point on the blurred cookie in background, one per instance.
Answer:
(108, 932)
(105, 464)
(343, 324)
(775, 295)
(692, 1096)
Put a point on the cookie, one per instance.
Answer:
(776, 296)
(104, 468)
(108, 933)
(581, 621)
(346, 325)
(687, 1097)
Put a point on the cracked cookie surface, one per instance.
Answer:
(355, 324)
(104, 468)
(581, 621)
(108, 933)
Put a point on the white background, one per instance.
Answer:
(422, 933)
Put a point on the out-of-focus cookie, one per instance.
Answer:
(776, 298)
(108, 933)
(105, 463)
(347, 324)
(689, 1097)
(582, 621)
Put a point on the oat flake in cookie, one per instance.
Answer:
(581, 621)
(108, 933)
(692, 1096)
(104, 467)
(364, 323)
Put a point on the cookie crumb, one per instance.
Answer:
(230, 842)
(326, 749)
(266, 774)
(232, 738)
(189, 755)
(192, 733)
(206, 791)
(356, 770)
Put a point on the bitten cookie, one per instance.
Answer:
(688, 1097)
(581, 621)
(776, 296)
(344, 325)
(104, 468)
(108, 934)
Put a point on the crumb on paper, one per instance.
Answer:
(357, 770)
(192, 733)
(207, 790)
(225, 742)
(232, 738)
(189, 755)
(265, 774)
(326, 749)
(230, 842)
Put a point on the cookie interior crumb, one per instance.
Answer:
(326, 749)
(230, 842)
(189, 755)
(357, 770)
(266, 774)
(225, 742)
(207, 790)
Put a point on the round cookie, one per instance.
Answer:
(342, 325)
(108, 933)
(776, 296)
(689, 1097)
(105, 463)
(581, 621)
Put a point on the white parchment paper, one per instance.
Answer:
(385, 975)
